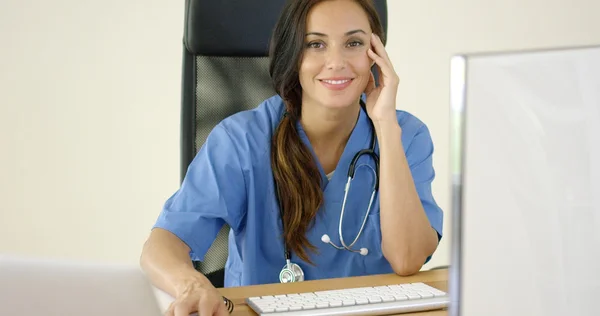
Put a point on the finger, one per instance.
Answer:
(376, 58)
(205, 309)
(379, 48)
(222, 311)
(380, 64)
(182, 310)
(388, 75)
(370, 85)
(384, 62)
(170, 312)
(379, 60)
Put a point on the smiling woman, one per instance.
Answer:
(330, 44)
(279, 175)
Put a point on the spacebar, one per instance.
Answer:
(396, 307)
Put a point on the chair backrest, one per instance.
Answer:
(225, 70)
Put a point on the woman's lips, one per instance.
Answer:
(336, 84)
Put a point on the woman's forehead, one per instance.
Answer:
(337, 16)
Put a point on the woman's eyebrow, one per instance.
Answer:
(347, 33)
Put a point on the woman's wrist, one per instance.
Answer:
(192, 280)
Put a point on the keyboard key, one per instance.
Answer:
(425, 294)
(437, 292)
(361, 289)
(374, 299)
(309, 306)
(401, 297)
(335, 303)
(348, 302)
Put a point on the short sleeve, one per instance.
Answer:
(420, 159)
(212, 193)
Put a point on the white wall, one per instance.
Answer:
(89, 106)
(88, 124)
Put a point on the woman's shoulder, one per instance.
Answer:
(251, 130)
(410, 123)
(413, 128)
(264, 116)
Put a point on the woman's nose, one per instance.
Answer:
(335, 59)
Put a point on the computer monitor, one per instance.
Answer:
(32, 287)
(526, 183)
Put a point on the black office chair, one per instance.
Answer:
(225, 70)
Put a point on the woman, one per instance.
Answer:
(299, 145)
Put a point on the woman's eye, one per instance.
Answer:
(314, 45)
(355, 43)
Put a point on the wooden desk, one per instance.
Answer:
(435, 278)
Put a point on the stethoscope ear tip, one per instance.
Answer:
(325, 238)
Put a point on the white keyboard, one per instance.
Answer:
(379, 300)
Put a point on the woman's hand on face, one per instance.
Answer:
(381, 101)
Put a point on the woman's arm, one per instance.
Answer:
(213, 193)
(166, 261)
(407, 235)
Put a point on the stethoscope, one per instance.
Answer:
(292, 272)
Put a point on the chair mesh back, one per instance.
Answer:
(224, 86)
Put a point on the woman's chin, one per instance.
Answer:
(337, 105)
(339, 102)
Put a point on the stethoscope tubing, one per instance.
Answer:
(288, 268)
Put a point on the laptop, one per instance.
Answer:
(33, 287)
(526, 183)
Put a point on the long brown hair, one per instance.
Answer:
(295, 172)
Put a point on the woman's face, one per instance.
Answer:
(335, 67)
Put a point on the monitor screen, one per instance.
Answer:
(526, 183)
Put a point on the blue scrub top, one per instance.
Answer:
(230, 181)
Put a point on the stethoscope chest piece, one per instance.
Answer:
(291, 272)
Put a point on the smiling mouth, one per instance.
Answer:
(336, 82)
(336, 85)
